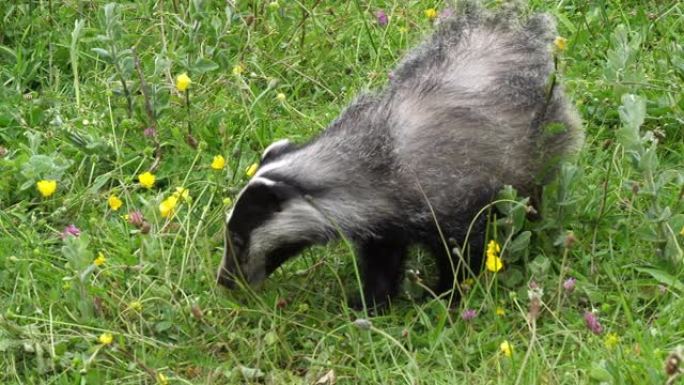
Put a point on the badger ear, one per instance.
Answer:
(276, 149)
(267, 193)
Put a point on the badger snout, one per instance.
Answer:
(231, 274)
(229, 270)
(231, 279)
(225, 278)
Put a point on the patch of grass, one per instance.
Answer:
(75, 106)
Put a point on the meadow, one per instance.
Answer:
(127, 130)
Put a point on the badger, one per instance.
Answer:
(477, 106)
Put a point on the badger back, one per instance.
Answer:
(482, 94)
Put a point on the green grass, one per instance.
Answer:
(64, 115)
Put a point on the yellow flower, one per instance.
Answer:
(561, 43)
(46, 187)
(611, 340)
(146, 179)
(238, 69)
(280, 97)
(183, 193)
(114, 202)
(500, 311)
(493, 263)
(100, 260)
(105, 338)
(227, 201)
(506, 348)
(681, 232)
(431, 14)
(251, 170)
(218, 163)
(161, 379)
(183, 82)
(167, 206)
(493, 248)
(135, 305)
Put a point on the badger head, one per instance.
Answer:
(271, 221)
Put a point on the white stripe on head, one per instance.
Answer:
(261, 180)
(274, 146)
(271, 166)
(298, 221)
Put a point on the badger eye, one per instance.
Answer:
(237, 241)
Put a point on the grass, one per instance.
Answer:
(73, 109)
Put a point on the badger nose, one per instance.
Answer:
(225, 282)
(224, 279)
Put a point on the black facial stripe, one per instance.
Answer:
(278, 256)
(258, 204)
(255, 206)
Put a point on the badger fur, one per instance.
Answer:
(466, 113)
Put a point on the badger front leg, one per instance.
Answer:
(382, 263)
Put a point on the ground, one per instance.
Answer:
(107, 276)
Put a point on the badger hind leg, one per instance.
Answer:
(382, 264)
(451, 266)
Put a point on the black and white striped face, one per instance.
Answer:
(270, 222)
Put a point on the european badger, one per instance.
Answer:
(474, 108)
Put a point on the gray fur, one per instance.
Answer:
(465, 114)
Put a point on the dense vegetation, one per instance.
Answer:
(107, 275)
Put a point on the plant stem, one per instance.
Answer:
(73, 55)
(365, 26)
(127, 93)
(187, 109)
(148, 110)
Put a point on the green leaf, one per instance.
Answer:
(520, 243)
(506, 193)
(649, 159)
(8, 51)
(111, 14)
(271, 338)
(103, 53)
(161, 64)
(75, 251)
(566, 23)
(664, 215)
(250, 373)
(667, 176)
(512, 277)
(567, 176)
(632, 114)
(662, 277)
(202, 66)
(673, 251)
(7, 344)
(600, 373)
(100, 181)
(540, 266)
(163, 326)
